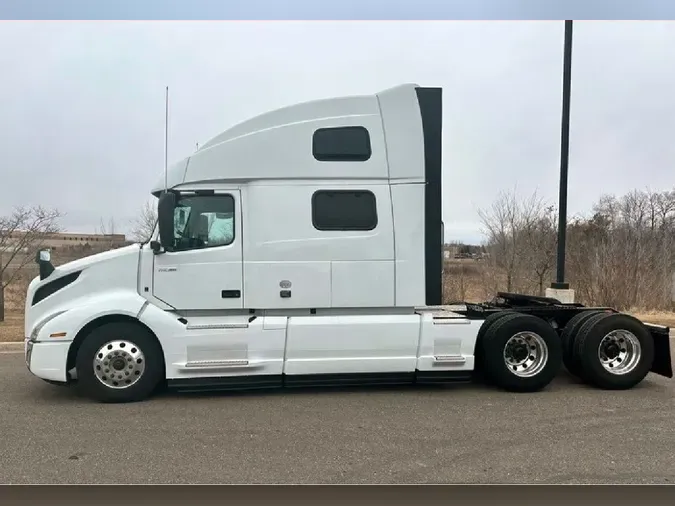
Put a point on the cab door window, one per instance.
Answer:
(203, 221)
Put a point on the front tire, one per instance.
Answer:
(119, 362)
(522, 353)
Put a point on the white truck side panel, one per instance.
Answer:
(219, 346)
(362, 283)
(447, 343)
(352, 344)
(310, 284)
(407, 200)
(402, 123)
(324, 268)
(278, 225)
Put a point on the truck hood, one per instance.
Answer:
(97, 258)
(104, 272)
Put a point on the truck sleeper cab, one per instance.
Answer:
(304, 246)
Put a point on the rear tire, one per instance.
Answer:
(522, 353)
(479, 368)
(615, 351)
(119, 362)
(569, 334)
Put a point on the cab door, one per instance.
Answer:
(205, 269)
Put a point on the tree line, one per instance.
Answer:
(621, 255)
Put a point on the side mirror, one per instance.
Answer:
(165, 217)
(44, 260)
(43, 255)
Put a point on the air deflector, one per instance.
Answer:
(431, 108)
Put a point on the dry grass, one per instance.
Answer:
(664, 318)
(11, 329)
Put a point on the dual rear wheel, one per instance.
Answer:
(520, 352)
(608, 350)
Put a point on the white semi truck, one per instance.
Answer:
(304, 247)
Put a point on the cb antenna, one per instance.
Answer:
(166, 141)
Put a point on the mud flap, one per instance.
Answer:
(662, 365)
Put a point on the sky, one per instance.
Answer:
(82, 103)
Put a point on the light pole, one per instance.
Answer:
(564, 159)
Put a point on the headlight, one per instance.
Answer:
(40, 326)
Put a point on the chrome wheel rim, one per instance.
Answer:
(119, 364)
(525, 354)
(619, 352)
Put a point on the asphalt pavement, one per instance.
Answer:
(569, 433)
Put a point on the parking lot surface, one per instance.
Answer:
(569, 433)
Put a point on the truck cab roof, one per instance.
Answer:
(319, 139)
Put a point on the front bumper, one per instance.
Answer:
(47, 360)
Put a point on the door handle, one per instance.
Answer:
(230, 294)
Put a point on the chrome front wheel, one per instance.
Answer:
(119, 364)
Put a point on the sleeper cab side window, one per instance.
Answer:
(203, 221)
(342, 144)
(344, 210)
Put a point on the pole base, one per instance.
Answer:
(564, 295)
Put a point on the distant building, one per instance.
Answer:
(65, 241)
(450, 251)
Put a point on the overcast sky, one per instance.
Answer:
(82, 103)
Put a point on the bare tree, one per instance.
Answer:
(144, 225)
(108, 230)
(22, 233)
(540, 241)
(518, 234)
(621, 255)
(499, 223)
